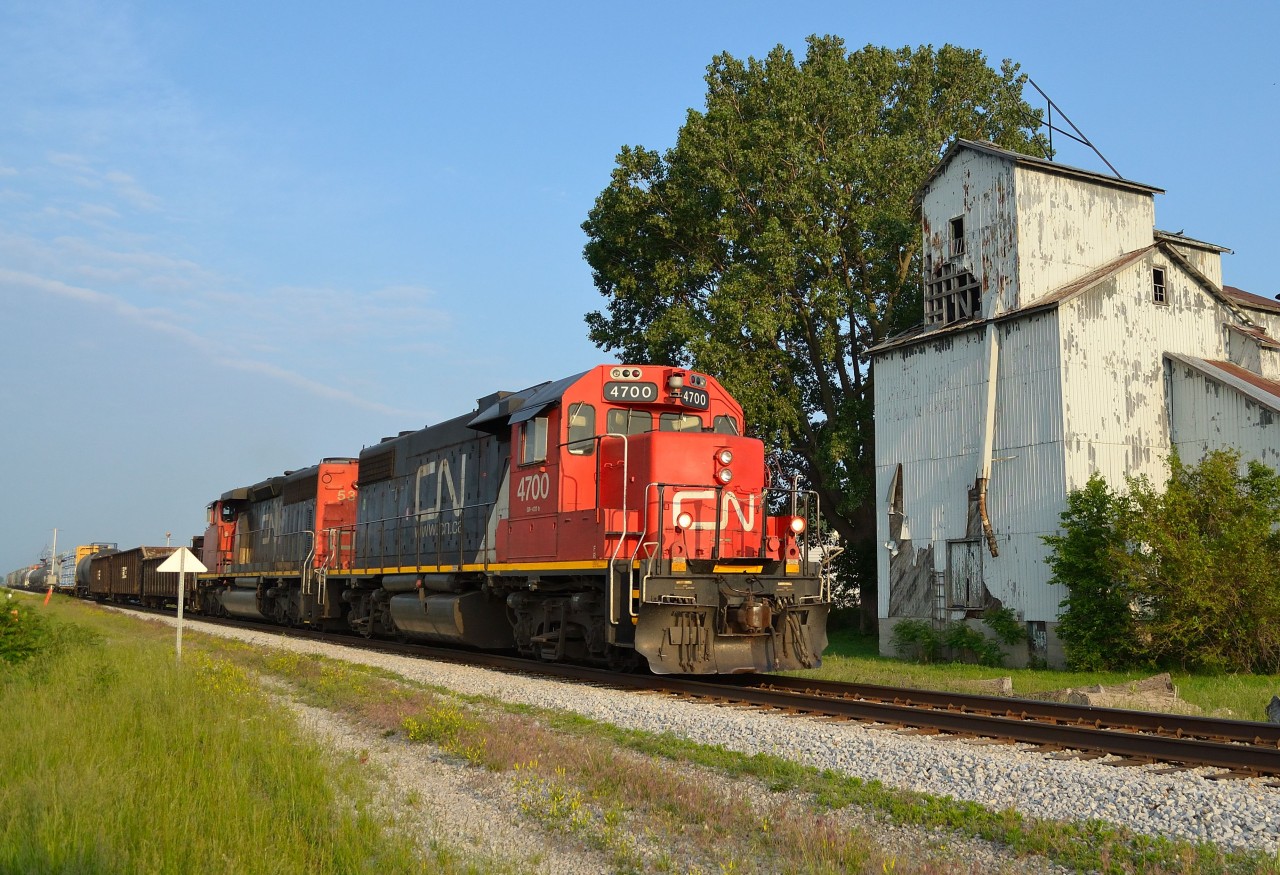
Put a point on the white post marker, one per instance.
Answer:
(180, 562)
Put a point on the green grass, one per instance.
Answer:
(594, 780)
(243, 792)
(854, 658)
(116, 759)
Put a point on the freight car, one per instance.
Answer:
(131, 576)
(21, 578)
(618, 516)
(81, 571)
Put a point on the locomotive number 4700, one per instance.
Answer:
(631, 391)
(533, 487)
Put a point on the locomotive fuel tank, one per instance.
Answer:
(470, 619)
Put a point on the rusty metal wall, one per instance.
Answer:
(978, 187)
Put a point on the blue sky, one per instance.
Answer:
(236, 237)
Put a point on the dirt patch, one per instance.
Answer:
(1156, 693)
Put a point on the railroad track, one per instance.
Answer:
(1241, 748)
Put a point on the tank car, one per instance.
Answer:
(618, 516)
(82, 570)
(38, 579)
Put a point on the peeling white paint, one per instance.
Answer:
(1081, 384)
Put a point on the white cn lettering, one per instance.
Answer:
(748, 520)
(728, 502)
(444, 479)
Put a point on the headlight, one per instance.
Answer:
(797, 524)
(724, 457)
(684, 521)
(725, 475)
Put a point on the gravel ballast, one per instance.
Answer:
(1234, 814)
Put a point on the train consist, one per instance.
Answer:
(618, 516)
(72, 570)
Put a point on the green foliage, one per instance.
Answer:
(1096, 626)
(1204, 576)
(23, 632)
(916, 639)
(1006, 626)
(919, 640)
(968, 642)
(30, 638)
(777, 241)
(128, 761)
(1184, 576)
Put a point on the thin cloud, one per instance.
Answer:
(82, 172)
(164, 321)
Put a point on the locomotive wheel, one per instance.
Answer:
(624, 660)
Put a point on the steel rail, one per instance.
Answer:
(1158, 722)
(1017, 724)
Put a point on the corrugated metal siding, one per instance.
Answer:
(1113, 338)
(1208, 415)
(930, 401)
(1208, 262)
(1081, 387)
(1027, 472)
(1067, 227)
(980, 188)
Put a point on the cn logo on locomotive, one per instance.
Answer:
(728, 502)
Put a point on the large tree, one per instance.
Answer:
(778, 240)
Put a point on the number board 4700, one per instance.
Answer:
(631, 392)
(692, 397)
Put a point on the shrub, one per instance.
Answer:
(1184, 576)
(1201, 566)
(1096, 625)
(968, 642)
(919, 640)
(1006, 625)
(916, 639)
(23, 633)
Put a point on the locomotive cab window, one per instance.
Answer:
(629, 421)
(533, 441)
(679, 422)
(582, 429)
(725, 425)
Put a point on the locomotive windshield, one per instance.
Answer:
(629, 421)
(679, 422)
(582, 429)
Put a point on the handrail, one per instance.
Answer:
(626, 461)
(407, 535)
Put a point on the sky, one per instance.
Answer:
(238, 237)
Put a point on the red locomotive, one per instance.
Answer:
(615, 516)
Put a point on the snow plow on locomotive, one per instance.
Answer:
(618, 517)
